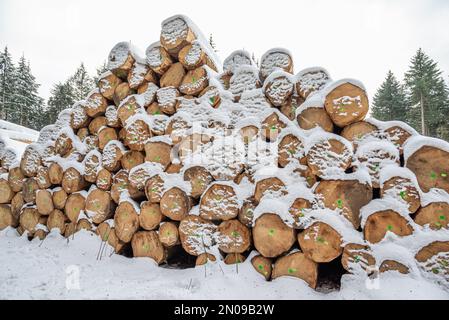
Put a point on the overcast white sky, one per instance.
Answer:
(360, 39)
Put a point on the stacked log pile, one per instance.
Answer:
(175, 150)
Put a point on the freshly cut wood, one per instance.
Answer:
(83, 224)
(104, 180)
(266, 186)
(272, 127)
(273, 60)
(234, 258)
(70, 230)
(137, 74)
(91, 142)
(173, 76)
(289, 108)
(328, 153)
(278, 88)
(158, 59)
(42, 178)
(398, 136)
(176, 34)
(168, 99)
(404, 190)
(106, 135)
(346, 103)
(233, 237)
(174, 168)
(348, 196)
(6, 193)
(199, 179)
(73, 181)
(297, 265)
(96, 104)
(132, 159)
(121, 184)
(177, 128)
(29, 218)
(263, 266)
(103, 231)
(120, 59)
(112, 155)
(289, 148)
(15, 180)
(219, 202)
(76, 202)
(246, 212)
(82, 133)
(7, 218)
(357, 257)
(154, 109)
(271, 236)
(115, 242)
(147, 244)
(430, 165)
(59, 198)
(297, 209)
(192, 56)
(154, 188)
(112, 119)
(97, 123)
(107, 84)
(175, 204)
(63, 144)
(128, 107)
(30, 187)
(17, 203)
(159, 152)
(150, 215)
(320, 242)
(99, 205)
(137, 134)
(31, 161)
(40, 234)
(91, 166)
(392, 265)
(126, 220)
(78, 116)
(122, 91)
(56, 220)
(169, 234)
(55, 173)
(433, 258)
(311, 80)
(204, 258)
(194, 82)
(306, 173)
(381, 222)
(435, 214)
(44, 202)
(357, 131)
(196, 234)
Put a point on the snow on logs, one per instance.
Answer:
(173, 153)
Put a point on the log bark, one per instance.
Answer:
(175, 204)
(435, 214)
(263, 266)
(44, 202)
(433, 258)
(199, 179)
(379, 223)
(297, 265)
(150, 215)
(75, 203)
(392, 265)
(320, 242)
(147, 244)
(218, 203)
(126, 221)
(271, 236)
(233, 237)
(196, 234)
(169, 234)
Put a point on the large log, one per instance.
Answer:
(379, 223)
(176, 34)
(246, 212)
(107, 84)
(233, 237)
(56, 220)
(137, 134)
(290, 148)
(15, 179)
(158, 152)
(274, 59)
(154, 188)
(219, 202)
(320, 242)
(31, 161)
(132, 159)
(120, 59)
(357, 257)
(196, 234)
(175, 204)
(99, 205)
(122, 91)
(357, 131)
(150, 215)
(73, 181)
(29, 218)
(7, 218)
(403, 189)
(194, 82)
(278, 88)
(126, 220)
(44, 202)
(42, 178)
(111, 156)
(263, 266)
(271, 236)
(106, 135)
(311, 80)
(158, 58)
(147, 244)
(96, 104)
(75, 204)
(273, 186)
(169, 234)
(199, 179)
(30, 187)
(104, 180)
(435, 214)
(173, 76)
(17, 202)
(137, 74)
(297, 265)
(59, 198)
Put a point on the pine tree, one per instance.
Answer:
(100, 70)
(7, 84)
(81, 83)
(61, 98)
(389, 102)
(212, 43)
(427, 96)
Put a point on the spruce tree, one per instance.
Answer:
(427, 96)
(212, 43)
(61, 98)
(81, 83)
(100, 70)
(389, 102)
(7, 85)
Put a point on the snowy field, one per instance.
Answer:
(57, 269)
(17, 137)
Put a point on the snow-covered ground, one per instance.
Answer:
(17, 137)
(57, 269)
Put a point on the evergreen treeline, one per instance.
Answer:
(421, 100)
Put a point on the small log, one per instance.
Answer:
(115, 242)
(192, 56)
(290, 148)
(154, 109)
(29, 218)
(91, 143)
(112, 119)
(435, 214)
(167, 99)
(96, 104)
(148, 91)
(430, 165)
(244, 79)
(150, 215)
(40, 234)
(17, 203)
(158, 152)
(246, 212)
(59, 198)
(56, 219)
(357, 257)
(271, 236)
(122, 91)
(154, 188)
(204, 258)
(30, 187)
(194, 82)
(137, 135)
(278, 88)
(91, 166)
(174, 168)
(132, 159)
(99, 205)
(147, 244)
(158, 59)
(129, 107)
(173, 76)
(69, 229)
(289, 108)
(7, 218)
(199, 179)
(83, 224)
(176, 34)
(273, 60)
(263, 266)
(311, 81)
(15, 179)
(120, 184)
(44, 202)
(175, 204)
(306, 173)
(137, 74)
(196, 234)
(63, 145)
(347, 196)
(357, 131)
(233, 237)
(176, 129)
(121, 60)
(398, 136)
(82, 133)
(55, 173)
(96, 124)
(6, 193)
(392, 265)
(379, 223)
(297, 265)
(269, 186)
(320, 242)
(297, 209)
(106, 135)
(346, 103)
(107, 84)
(78, 116)
(126, 220)
(112, 155)
(219, 202)
(272, 127)
(404, 190)
(74, 205)
(104, 180)
(234, 258)
(103, 231)
(73, 181)
(31, 161)
(433, 258)
(169, 234)
(42, 178)
(313, 117)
